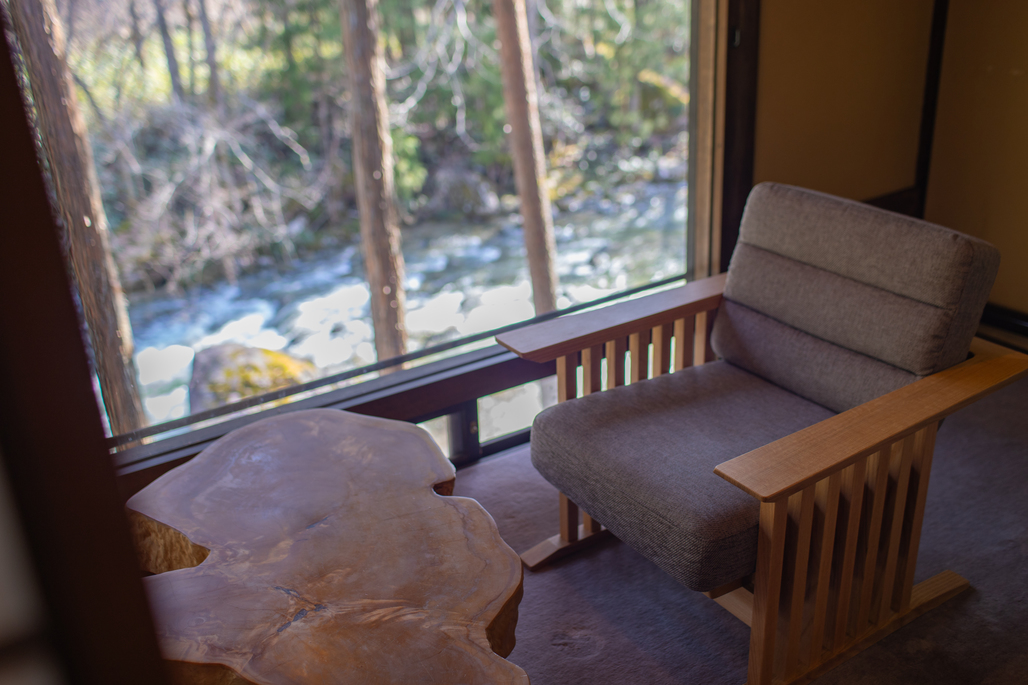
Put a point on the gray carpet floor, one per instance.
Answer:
(607, 615)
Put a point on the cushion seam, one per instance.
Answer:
(849, 278)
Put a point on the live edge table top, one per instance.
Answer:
(319, 547)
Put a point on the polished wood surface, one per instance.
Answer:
(926, 595)
(332, 557)
(805, 457)
(856, 532)
(556, 547)
(569, 334)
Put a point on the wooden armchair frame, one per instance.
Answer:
(841, 502)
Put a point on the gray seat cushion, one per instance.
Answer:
(640, 459)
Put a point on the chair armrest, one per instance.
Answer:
(791, 464)
(549, 340)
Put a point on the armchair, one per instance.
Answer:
(777, 456)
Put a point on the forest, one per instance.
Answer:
(221, 128)
(222, 131)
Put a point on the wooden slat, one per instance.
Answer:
(801, 510)
(827, 507)
(926, 596)
(709, 355)
(805, 457)
(919, 475)
(568, 519)
(767, 589)
(639, 355)
(557, 337)
(616, 362)
(899, 477)
(592, 365)
(662, 348)
(877, 481)
(684, 342)
(567, 377)
(699, 345)
(851, 501)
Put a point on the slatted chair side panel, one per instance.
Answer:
(665, 348)
(835, 560)
(662, 349)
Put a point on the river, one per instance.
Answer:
(462, 278)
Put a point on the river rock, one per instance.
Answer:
(227, 373)
(463, 191)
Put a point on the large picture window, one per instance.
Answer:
(222, 134)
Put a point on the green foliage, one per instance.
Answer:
(410, 173)
(184, 183)
(602, 56)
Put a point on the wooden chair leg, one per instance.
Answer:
(572, 537)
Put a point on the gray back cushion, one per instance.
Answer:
(841, 302)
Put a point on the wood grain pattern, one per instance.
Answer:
(567, 377)
(801, 510)
(592, 365)
(877, 481)
(639, 356)
(615, 358)
(592, 381)
(896, 507)
(805, 457)
(662, 336)
(827, 509)
(700, 339)
(767, 584)
(568, 519)
(926, 596)
(685, 334)
(553, 548)
(920, 470)
(551, 339)
(739, 603)
(331, 557)
(851, 501)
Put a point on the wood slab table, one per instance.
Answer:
(323, 547)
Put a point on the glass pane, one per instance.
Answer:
(222, 139)
(512, 410)
(438, 428)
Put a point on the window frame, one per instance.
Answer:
(452, 386)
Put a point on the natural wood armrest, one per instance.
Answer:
(546, 341)
(805, 457)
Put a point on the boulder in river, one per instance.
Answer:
(228, 373)
(462, 191)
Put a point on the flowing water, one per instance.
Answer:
(462, 278)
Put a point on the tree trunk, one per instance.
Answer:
(67, 147)
(169, 51)
(137, 35)
(188, 12)
(214, 82)
(373, 165)
(526, 145)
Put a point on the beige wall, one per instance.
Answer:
(840, 87)
(979, 175)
